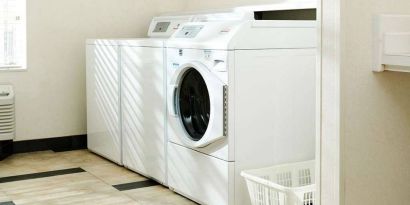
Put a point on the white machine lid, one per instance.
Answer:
(107, 42)
(137, 42)
(144, 42)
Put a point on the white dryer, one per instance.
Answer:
(114, 70)
(143, 100)
(241, 95)
(103, 99)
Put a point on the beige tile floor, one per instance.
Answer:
(91, 187)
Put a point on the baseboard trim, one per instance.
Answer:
(56, 144)
(6, 149)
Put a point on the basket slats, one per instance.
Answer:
(290, 184)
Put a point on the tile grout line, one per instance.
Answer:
(136, 185)
(39, 175)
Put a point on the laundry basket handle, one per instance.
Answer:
(265, 182)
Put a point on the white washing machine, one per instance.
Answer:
(107, 59)
(143, 94)
(241, 95)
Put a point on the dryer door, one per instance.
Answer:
(198, 101)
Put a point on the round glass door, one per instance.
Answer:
(194, 104)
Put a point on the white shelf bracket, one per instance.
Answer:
(391, 43)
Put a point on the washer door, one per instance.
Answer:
(198, 101)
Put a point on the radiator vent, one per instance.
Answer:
(7, 113)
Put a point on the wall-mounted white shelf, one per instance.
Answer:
(392, 43)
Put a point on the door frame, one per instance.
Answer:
(328, 143)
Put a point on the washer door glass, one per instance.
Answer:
(194, 104)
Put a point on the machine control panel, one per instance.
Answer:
(161, 27)
(190, 31)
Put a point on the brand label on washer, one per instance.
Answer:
(225, 30)
(175, 65)
(207, 54)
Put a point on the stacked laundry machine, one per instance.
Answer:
(241, 95)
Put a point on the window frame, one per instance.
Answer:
(23, 65)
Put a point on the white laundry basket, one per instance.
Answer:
(288, 184)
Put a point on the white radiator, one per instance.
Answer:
(7, 113)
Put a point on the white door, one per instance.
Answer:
(103, 101)
(196, 101)
(144, 110)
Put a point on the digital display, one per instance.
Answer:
(161, 27)
(189, 31)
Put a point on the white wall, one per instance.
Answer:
(375, 112)
(51, 93)
(218, 4)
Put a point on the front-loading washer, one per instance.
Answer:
(241, 95)
(143, 94)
